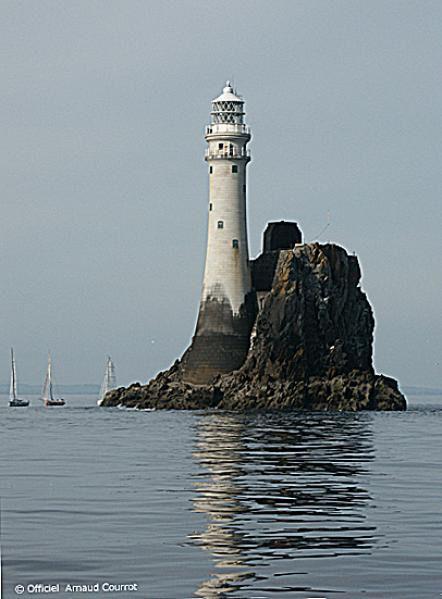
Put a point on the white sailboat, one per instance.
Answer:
(109, 380)
(47, 395)
(14, 400)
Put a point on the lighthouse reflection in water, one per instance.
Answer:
(282, 495)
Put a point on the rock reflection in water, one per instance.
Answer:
(280, 487)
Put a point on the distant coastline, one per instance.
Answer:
(25, 389)
(421, 391)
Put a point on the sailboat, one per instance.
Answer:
(109, 380)
(14, 401)
(47, 395)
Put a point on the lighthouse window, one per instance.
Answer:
(235, 243)
(210, 169)
(220, 224)
(210, 206)
(220, 146)
(244, 188)
(234, 168)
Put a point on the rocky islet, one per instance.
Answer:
(310, 349)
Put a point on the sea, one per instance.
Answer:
(172, 505)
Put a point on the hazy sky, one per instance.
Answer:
(104, 187)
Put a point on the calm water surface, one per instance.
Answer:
(221, 505)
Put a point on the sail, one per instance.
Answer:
(109, 380)
(47, 385)
(45, 391)
(13, 386)
(112, 379)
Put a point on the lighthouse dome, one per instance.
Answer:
(228, 94)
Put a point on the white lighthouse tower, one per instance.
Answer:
(226, 313)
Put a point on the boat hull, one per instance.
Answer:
(54, 402)
(20, 403)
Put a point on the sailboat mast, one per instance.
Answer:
(13, 388)
(112, 378)
(109, 373)
(50, 377)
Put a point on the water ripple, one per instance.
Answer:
(282, 487)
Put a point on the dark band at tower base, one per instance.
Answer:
(207, 357)
(221, 339)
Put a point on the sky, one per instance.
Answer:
(103, 205)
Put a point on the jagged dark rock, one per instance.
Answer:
(311, 348)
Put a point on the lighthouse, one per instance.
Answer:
(227, 305)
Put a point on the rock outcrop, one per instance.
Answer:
(311, 348)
